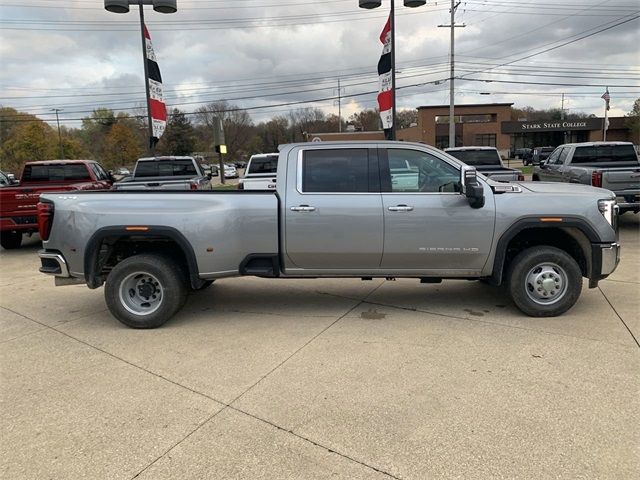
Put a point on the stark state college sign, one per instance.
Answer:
(586, 124)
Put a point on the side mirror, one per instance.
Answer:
(471, 187)
(209, 175)
(542, 164)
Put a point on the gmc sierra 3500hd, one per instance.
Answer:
(338, 210)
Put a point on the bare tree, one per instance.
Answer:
(238, 127)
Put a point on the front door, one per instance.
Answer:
(550, 171)
(428, 224)
(333, 210)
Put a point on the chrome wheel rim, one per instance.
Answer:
(141, 293)
(546, 283)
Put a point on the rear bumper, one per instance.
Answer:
(53, 263)
(23, 223)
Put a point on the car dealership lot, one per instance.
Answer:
(259, 378)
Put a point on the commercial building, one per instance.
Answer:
(491, 124)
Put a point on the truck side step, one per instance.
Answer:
(430, 280)
(261, 265)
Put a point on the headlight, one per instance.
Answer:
(609, 210)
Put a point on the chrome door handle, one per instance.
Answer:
(401, 208)
(303, 208)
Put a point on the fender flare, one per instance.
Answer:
(92, 251)
(534, 222)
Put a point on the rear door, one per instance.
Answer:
(428, 224)
(333, 209)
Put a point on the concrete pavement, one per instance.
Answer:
(310, 379)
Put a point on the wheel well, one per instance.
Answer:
(570, 239)
(110, 250)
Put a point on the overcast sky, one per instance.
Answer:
(74, 55)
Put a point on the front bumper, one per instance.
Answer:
(605, 258)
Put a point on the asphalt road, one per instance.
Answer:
(307, 379)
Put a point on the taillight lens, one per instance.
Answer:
(193, 186)
(596, 178)
(520, 177)
(45, 219)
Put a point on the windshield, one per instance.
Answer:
(267, 164)
(477, 157)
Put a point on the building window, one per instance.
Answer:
(486, 140)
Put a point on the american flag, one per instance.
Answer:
(606, 97)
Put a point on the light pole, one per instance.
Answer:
(370, 4)
(59, 134)
(161, 6)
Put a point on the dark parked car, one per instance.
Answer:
(522, 153)
(538, 155)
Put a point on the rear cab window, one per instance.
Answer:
(477, 157)
(264, 165)
(165, 168)
(605, 153)
(56, 173)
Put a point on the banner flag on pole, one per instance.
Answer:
(385, 93)
(157, 107)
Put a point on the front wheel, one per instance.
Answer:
(544, 281)
(11, 240)
(144, 291)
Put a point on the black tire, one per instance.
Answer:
(549, 291)
(205, 284)
(166, 295)
(10, 240)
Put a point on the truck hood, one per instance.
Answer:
(566, 189)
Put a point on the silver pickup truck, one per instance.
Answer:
(610, 165)
(338, 210)
(487, 161)
(166, 173)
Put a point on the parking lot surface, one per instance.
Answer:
(308, 379)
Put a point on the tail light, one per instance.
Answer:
(241, 186)
(520, 177)
(193, 186)
(596, 179)
(45, 219)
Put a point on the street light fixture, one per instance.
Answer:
(160, 6)
(371, 4)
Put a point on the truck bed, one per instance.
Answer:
(221, 226)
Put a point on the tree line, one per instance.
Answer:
(117, 138)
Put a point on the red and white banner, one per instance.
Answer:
(157, 107)
(385, 87)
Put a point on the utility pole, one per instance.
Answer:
(564, 139)
(339, 107)
(452, 25)
(59, 134)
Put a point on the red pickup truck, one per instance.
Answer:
(18, 204)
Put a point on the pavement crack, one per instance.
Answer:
(620, 317)
(314, 443)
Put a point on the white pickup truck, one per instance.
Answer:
(166, 173)
(260, 173)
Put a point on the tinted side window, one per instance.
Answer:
(415, 171)
(344, 170)
(264, 164)
(553, 158)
